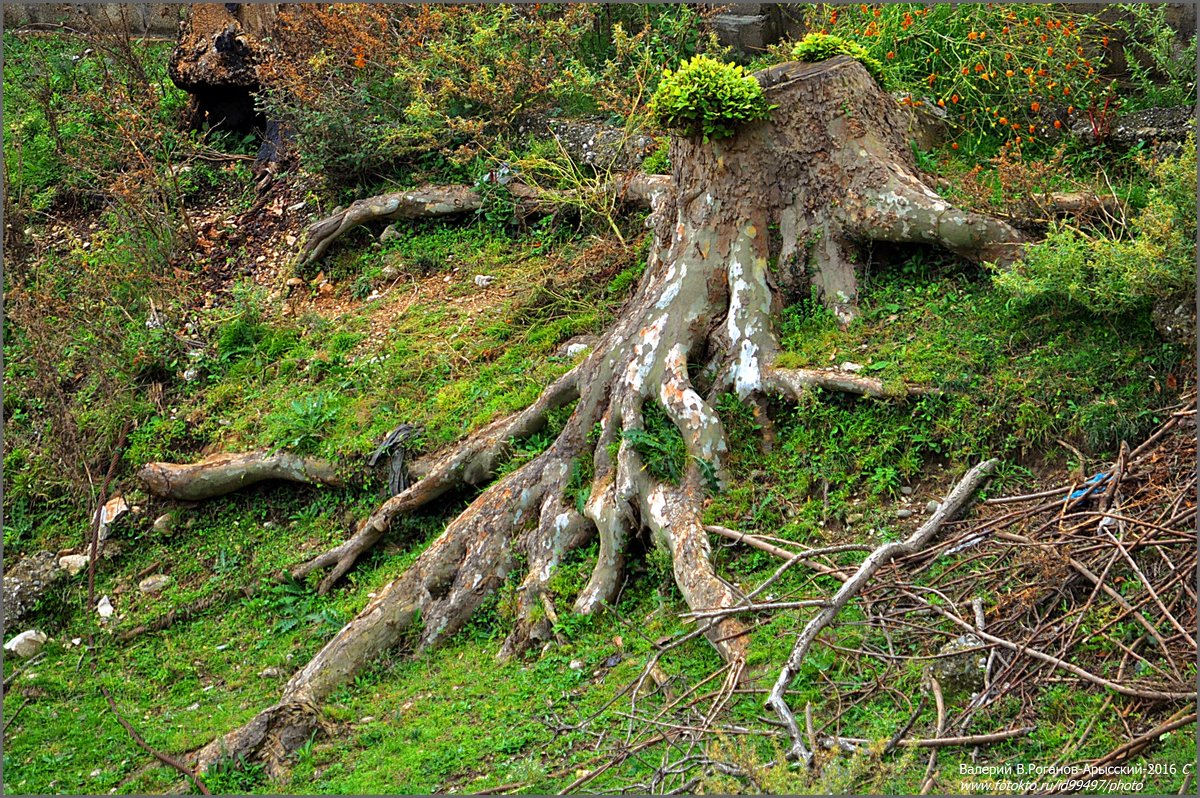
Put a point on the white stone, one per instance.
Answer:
(851, 366)
(576, 665)
(73, 563)
(104, 607)
(484, 280)
(577, 349)
(27, 644)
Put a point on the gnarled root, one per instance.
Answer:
(225, 473)
(431, 202)
(705, 298)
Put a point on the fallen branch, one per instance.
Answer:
(949, 508)
(225, 473)
(939, 742)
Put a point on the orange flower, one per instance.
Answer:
(1066, 90)
(953, 98)
(1003, 120)
(1032, 128)
(972, 35)
(878, 12)
(1004, 29)
(1043, 38)
(1078, 51)
(908, 21)
(931, 79)
(966, 71)
(982, 35)
(1035, 107)
(891, 54)
(1057, 124)
(863, 8)
(1041, 73)
(1049, 51)
(1070, 109)
(954, 145)
(979, 67)
(1008, 73)
(1104, 40)
(941, 103)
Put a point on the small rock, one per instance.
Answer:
(297, 206)
(73, 563)
(851, 366)
(194, 707)
(222, 647)
(261, 259)
(903, 513)
(576, 665)
(27, 644)
(325, 289)
(294, 282)
(363, 721)
(96, 772)
(390, 232)
(906, 490)
(164, 523)
(291, 240)
(190, 375)
(153, 585)
(389, 272)
(270, 673)
(104, 607)
(75, 641)
(576, 349)
(932, 506)
(961, 665)
(484, 280)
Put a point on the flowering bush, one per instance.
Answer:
(994, 66)
(707, 98)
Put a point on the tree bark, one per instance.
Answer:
(782, 199)
(225, 473)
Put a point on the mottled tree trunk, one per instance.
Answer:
(783, 198)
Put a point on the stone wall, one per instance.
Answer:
(143, 19)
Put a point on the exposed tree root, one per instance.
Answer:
(225, 473)
(431, 202)
(830, 162)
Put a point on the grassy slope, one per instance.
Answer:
(334, 377)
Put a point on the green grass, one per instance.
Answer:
(451, 357)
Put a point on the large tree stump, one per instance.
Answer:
(795, 193)
(216, 58)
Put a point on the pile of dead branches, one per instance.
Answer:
(1090, 585)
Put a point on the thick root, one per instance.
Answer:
(705, 297)
(225, 473)
(470, 463)
(431, 202)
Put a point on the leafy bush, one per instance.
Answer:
(821, 47)
(994, 65)
(1109, 276)
(707, 98)
(373, 90)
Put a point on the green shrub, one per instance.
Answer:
(822, 46)
(995, 67)
(707, 98)
(1108, 276)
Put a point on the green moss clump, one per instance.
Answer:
(707, 98)
(822, 46)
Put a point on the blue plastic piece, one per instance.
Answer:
(1096, 479)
